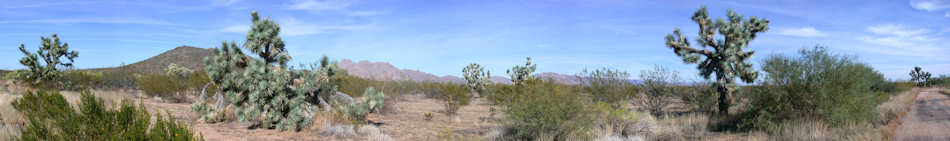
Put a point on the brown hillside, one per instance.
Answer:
(186, 56)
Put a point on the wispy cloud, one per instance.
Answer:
(323, 6)
(294, 27)
(99, 20)
(930, 5)
(317, 6)
(901, 40)
(801, 32)
(224, 2)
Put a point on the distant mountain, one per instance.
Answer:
(193, 58)
(185, 56)
(384, 71)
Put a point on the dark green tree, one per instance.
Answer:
(51, 51)
(922, 78)
(724, 56)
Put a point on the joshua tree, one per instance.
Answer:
(476, 77)
(519, 74)
(921, 77)
(725, 57)
(51, 51)
(269, 96)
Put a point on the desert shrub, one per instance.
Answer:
(607, 85)
(658, 88)
(121, 78)
(818, 85)
(700, 96)
(613, 120)
(454, 96)
(354, 86)
(76, 80)
(544, 108)
(164, 86)
(52, 118)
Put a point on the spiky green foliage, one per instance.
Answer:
(607, 85)
(52, 51)
(476, 77)
(726, 59)
(520, 74)
(52, 118)
(264, 41)
(920, 77)
(357, 111)
(263, 91)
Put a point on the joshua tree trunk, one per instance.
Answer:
(724, 100)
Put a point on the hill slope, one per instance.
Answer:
(185, 56)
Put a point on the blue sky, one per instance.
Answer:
(443, 36)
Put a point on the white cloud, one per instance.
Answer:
(947, 14)
(900, 40)
(801, 32)
(930, 5)
(317, 6)
(99, 20)
(896, 30)
(293, 27)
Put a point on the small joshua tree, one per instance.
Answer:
(476, 77)
(262, 90)
(520, 74)
(51, 51)
(922, 78)
(726, 59)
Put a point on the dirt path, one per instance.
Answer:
(929, 118)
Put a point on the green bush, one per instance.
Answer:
(700, 96)
(818, 85)
(607, 85)
(454, 96)
(546, 109)
(52, 118)
(167, 87)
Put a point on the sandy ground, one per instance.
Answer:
(929, 118)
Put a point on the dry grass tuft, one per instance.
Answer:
(683, 127)
(892, 112)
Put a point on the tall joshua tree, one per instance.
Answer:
(723, 56)
(51, 51)
(520, 74)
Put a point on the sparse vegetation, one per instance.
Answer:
(658, 88)
(607, 85)
(454, 96)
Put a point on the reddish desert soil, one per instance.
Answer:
(929, 118)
